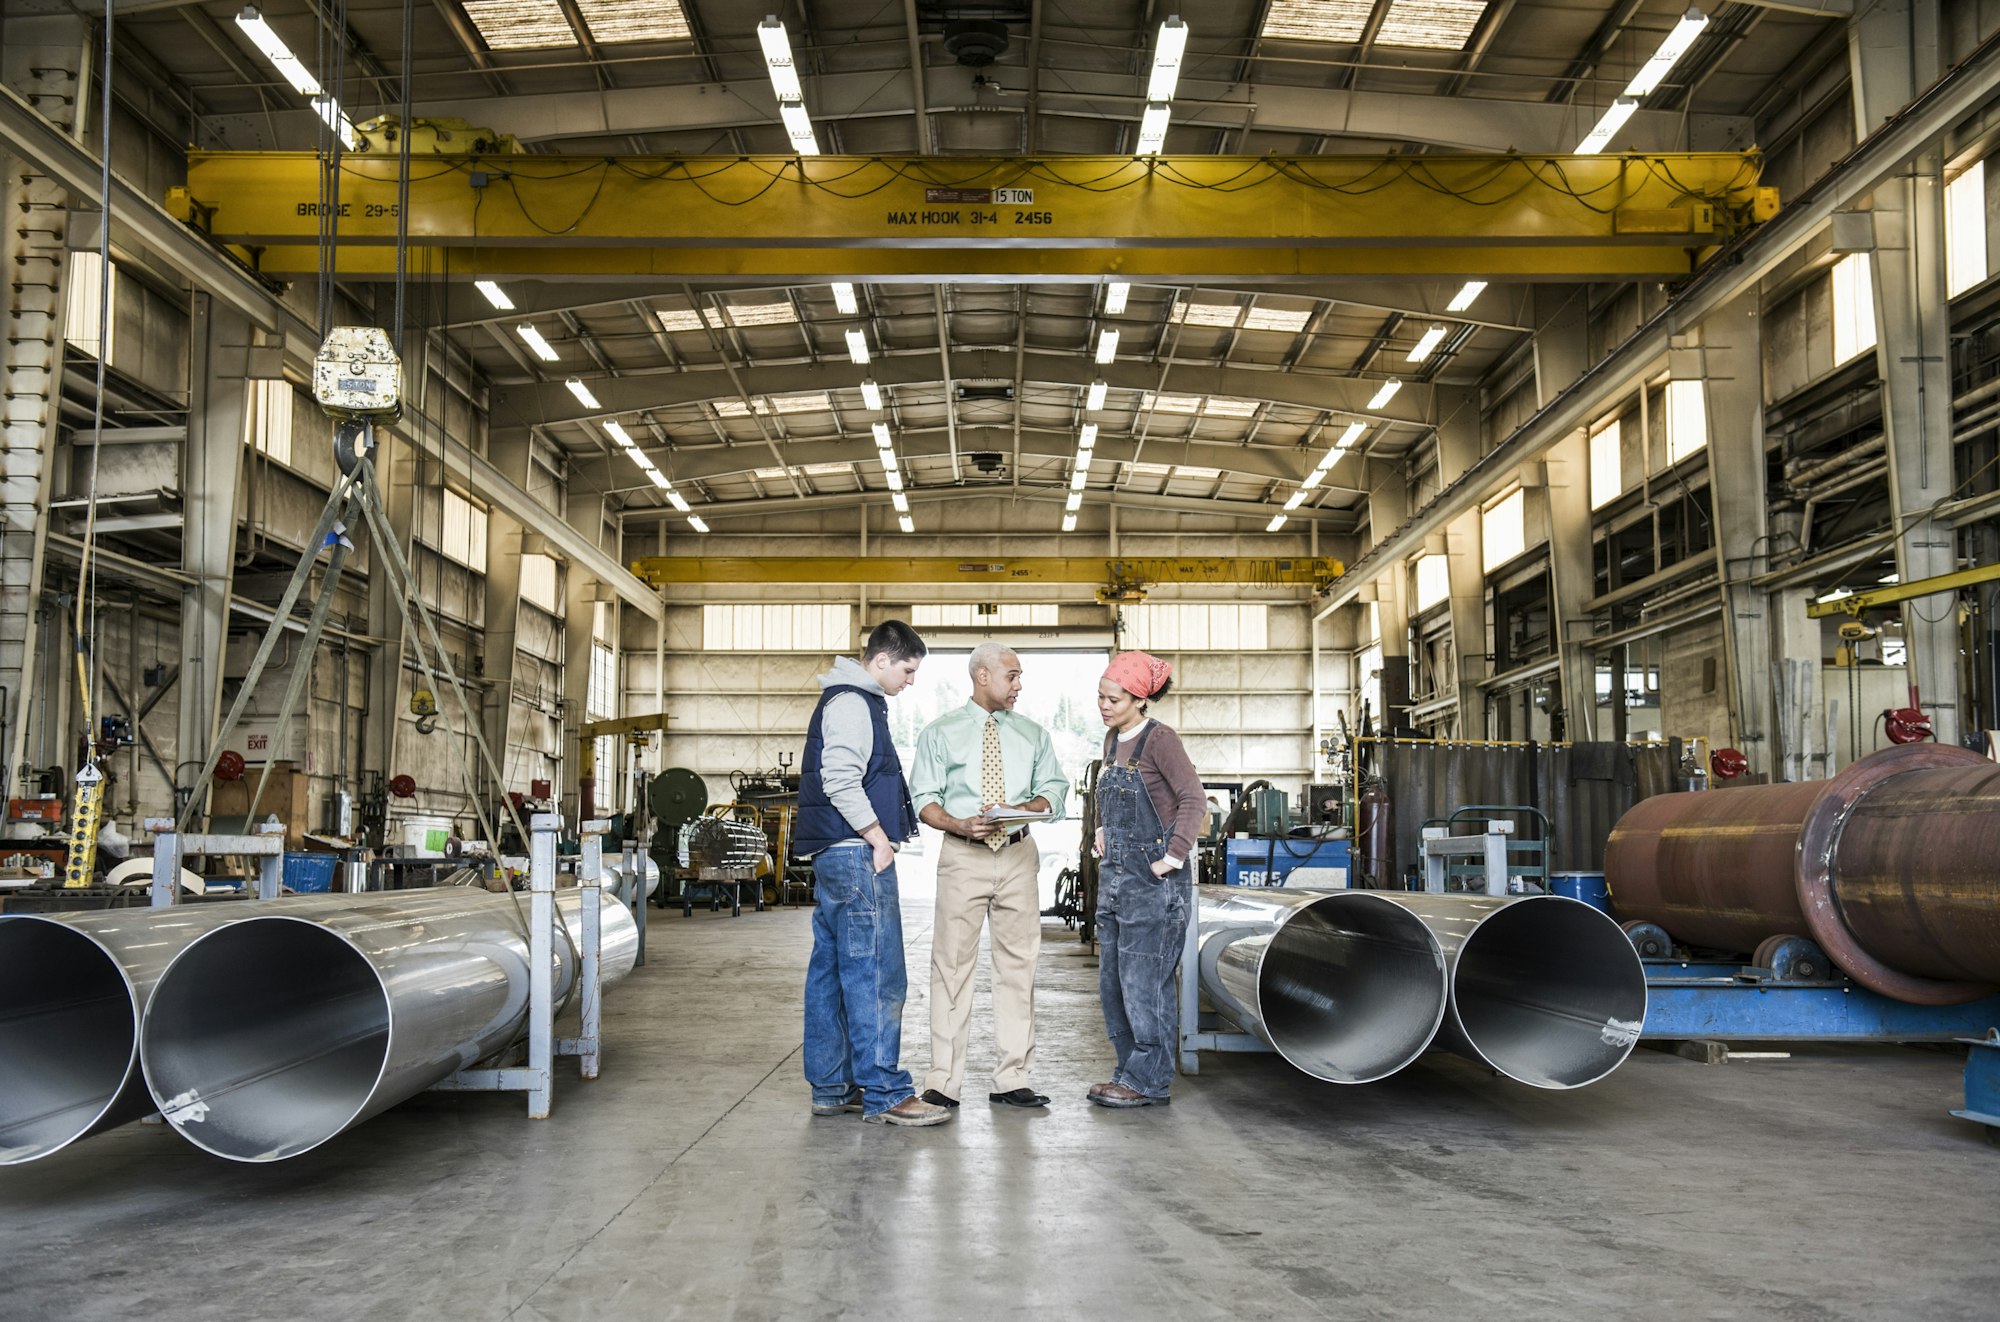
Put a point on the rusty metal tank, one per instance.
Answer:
(1893, 867)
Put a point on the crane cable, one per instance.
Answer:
(80, 859)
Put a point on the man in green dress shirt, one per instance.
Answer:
(978, 757)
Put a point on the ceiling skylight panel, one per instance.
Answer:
(1231, 408)
(762, 314)
(622, 20)
(1224, 315)
(520, 24)
(1431, 24)
(679, 319)
(1170, 403)
(1317, 20)
(1275, 319)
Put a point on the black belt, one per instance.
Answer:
(1014, 838)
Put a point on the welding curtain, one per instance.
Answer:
(1582, 788)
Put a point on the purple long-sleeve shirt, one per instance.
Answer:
(1171, 783)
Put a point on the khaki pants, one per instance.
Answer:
(975, 887)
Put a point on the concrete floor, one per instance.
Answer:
(689, 1182)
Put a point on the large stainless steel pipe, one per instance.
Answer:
(1545, 989)
(270, 1036)
(72, 989)
(1889, 866)
(1345, 985)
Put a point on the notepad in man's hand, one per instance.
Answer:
(1002, 813)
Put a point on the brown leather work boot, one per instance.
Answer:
(911, 1111)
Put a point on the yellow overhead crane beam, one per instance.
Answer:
(1116, 577)
(1855, 603)
(1635, 216)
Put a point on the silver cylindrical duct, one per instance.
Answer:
(1343, 984)
(1545, 989)
(72, 989)
(270, 1036)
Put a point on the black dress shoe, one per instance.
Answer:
(1018, 1097)
(936, 1098)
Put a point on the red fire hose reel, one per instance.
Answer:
(1907, 725)
(1727, 763)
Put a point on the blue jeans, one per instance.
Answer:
(1141, 930)
(855, 982)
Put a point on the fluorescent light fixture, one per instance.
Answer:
(694, 522)
(1349, 436)
(1080, 477)
(1468, 292)
(277, 52)
(1298, 499)
(1613, 120)
(1074, 503)
(659, 480)
(1384, 395)
(888, 458)
(1276, 523)
(337, 120)
(1086, 436)
(1313, 478)
(1153, 129)
(1115, 295)
(677, 500)
(901, 502)
(533, 338)
(857, 346)
(1093, 399)
(906, 524)
(1654, 71)
(778, 59)
(494, 294)
(1834, 595)
(1069, 522)
(799, 128)
(843, 298)
(640, 458)
(582, 393)
(1107, 345)
(871, 396)
(619, 434)
(1427, 344)
(881, 430)
(895, 479)
(1167, 52)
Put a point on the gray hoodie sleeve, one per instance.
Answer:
(848, 741)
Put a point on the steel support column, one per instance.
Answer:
(1894, 52)
(1472, 650)
(211, 471)
(1388, 505)
(1725, 353)
(1572, 579)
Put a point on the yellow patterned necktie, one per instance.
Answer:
(992, 777)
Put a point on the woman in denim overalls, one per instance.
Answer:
(1142, 893)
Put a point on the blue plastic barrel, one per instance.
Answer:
(1586, 886)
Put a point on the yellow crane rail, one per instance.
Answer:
(1114, 572)
(1855, 603)
(1578, 217)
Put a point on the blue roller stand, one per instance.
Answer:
(1269, 861)
(1982, 1082)
(1730, 1002)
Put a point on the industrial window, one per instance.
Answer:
(538, 581)
(1607, 474)
(1013, 615)
(1853, 307)
(1433, 579)
(267, 416)
(80, 325)
(1503, 529)
(1965, 230)
(1185, 626)
(762, 628)
(464, 531)
(1687, 419)
(601, 702)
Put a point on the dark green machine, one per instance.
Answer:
(676, 797)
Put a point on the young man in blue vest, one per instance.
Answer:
(854, 810)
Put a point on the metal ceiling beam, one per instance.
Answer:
(1451, 123)
(1877, 159)
(550, 403)
(1244, 511)
(1272, 571)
